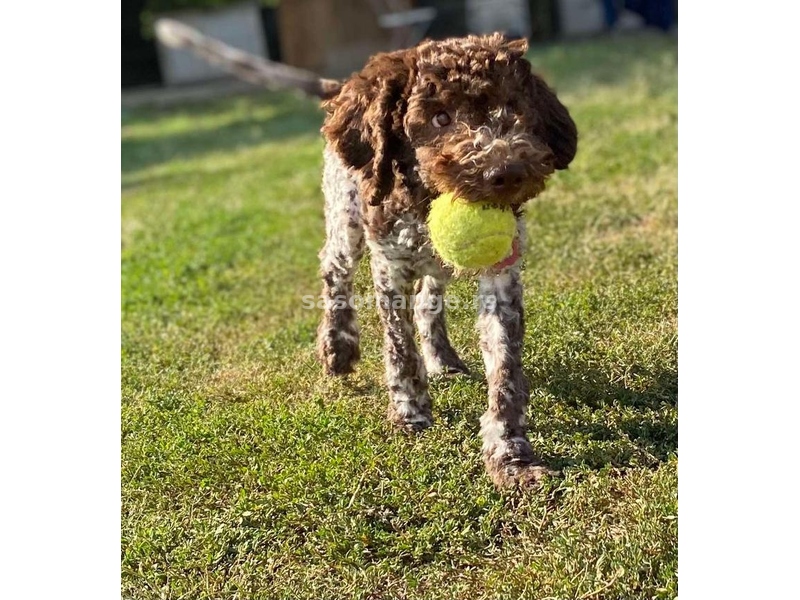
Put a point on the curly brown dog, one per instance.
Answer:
(463, 115)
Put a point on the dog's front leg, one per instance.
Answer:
(507, 454)
(406, 378)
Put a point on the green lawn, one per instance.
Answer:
(247, 474)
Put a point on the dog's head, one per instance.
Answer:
(466, 115)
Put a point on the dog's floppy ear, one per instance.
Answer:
(554, 125)
(365, 120)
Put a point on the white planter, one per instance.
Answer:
(506, 16)
(581, 17)
(238, 25)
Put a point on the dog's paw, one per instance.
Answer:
(446, 365)
(408, 417)
(522, 475)
(512, 464)
(337, 352)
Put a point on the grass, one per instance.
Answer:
(246, 474)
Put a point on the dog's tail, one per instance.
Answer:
(246, 66)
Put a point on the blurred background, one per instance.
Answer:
(335, 37)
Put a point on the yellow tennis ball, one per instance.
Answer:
(470, 235)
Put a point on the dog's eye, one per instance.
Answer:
(441, 119)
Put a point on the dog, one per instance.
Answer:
(464, 115)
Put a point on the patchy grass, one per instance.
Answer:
(246, 474)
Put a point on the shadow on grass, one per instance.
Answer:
(599, 423)
(290, 118)
(641, 421)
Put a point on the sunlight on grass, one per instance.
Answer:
(247, 474)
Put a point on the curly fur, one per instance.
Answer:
(387, 156)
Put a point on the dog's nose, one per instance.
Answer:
(506, 177)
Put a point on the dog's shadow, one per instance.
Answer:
(578, 416)
(600, 422)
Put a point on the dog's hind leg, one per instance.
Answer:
(338, 333)
(440, 358)
(406, 378)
